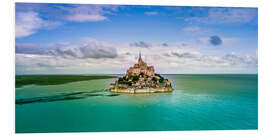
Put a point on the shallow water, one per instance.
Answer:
(198, 102)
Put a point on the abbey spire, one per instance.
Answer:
(140, 58)
(141, 62)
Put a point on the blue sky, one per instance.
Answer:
(174, 39)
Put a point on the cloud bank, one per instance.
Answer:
(92, 49)
(101, 57)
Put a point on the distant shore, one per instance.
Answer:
(21, 80)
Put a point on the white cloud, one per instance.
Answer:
(85, 17)
(28, 23)
(196, 30)
(86, 13)
(151, 13)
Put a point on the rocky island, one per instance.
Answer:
(141, 79)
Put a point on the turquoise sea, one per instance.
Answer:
(198, 102)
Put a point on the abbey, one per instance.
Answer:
(141, 79)
(141, 67)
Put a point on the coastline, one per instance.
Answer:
(142, 90)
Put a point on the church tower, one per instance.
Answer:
(140, 58)
(141, 63)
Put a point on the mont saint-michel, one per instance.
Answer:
(141, 78)
(78, 68)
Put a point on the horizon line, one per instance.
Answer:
(160, 73)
